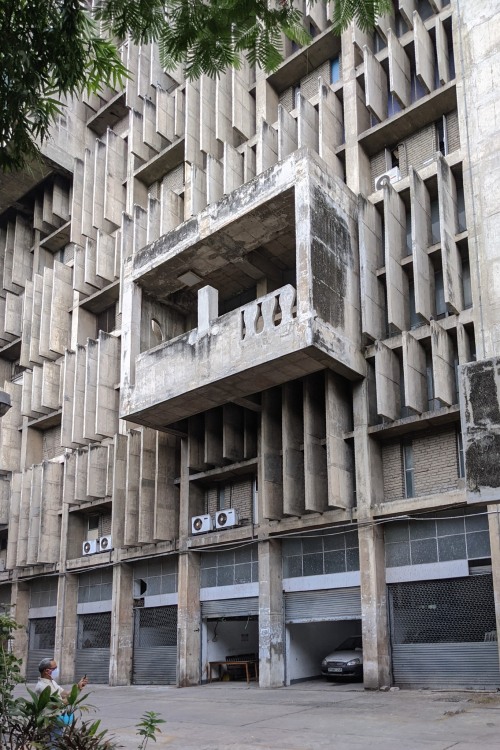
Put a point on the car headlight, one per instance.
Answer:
(323, 663)
(353, 662)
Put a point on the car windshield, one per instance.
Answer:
(350, 644)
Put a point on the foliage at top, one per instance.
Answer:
(54, 49)
(50, 49)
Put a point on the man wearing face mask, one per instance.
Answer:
(49, 673)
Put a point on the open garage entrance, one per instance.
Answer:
(316, 623)
(230, 633)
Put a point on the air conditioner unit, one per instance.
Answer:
(90, 547)
(224, 519)
(392, 175)
(105, 543)
(201, 524)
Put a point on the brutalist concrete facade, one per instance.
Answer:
(273, 298)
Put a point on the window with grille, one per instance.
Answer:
(43, 592)
(319, 554)
(230, 567)
(459, 535)
(96, 586)
(153, 577)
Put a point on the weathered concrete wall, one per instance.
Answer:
(480, 411)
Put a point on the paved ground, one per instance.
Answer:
(307, 716)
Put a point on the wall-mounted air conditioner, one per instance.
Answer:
(90, 547)
(105, 543)
(224, 519)
(201, 524)
(392, 175)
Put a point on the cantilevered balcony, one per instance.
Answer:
(255, 291)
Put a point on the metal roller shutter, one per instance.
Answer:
(41, 641)
(323, 606)
(94, 662)
(230, 607)
(446, 665)
(443, 633)
(93, 647)
(155, 646)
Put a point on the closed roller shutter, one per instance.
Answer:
(93, 647)
(41, 641)
(446, 665)
(443, 633)
(155, 646)
(323, 606)
(230, 607)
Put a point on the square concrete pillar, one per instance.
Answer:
(66, 627)
(19, 612)
(271, 620)
(369, 492)
(189, 620)
(122, 626)
(375, 626)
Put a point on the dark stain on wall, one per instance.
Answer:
(332, 257)
(482, 461)
(482, 414)
(484, 408)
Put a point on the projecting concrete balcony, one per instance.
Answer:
(300, 224)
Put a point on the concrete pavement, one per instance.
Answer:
(306, 716)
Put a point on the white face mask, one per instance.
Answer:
(55, 674)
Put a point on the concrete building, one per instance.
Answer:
(250, 329)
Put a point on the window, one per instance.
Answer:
(93, 527)
(334, 551)
(460, 455)
(223, 498)
(435, 222)
(442, 136)
(441, 309)
(296, 96)
(335, 70)
(393, 105)
(408, 469)
(227, 568)
(255, 500)
(467, 289)
(379, 42)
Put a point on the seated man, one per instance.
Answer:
(48, 676)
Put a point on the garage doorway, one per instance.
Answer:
(230, 631)
(316, 623)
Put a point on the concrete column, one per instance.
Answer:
(494, 524)
(271, 626)
(189, 620)
(375, 627)
(19, 612)
(66, 628)
(369, 490)
(122, 626)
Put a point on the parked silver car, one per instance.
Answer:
(346, 661)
